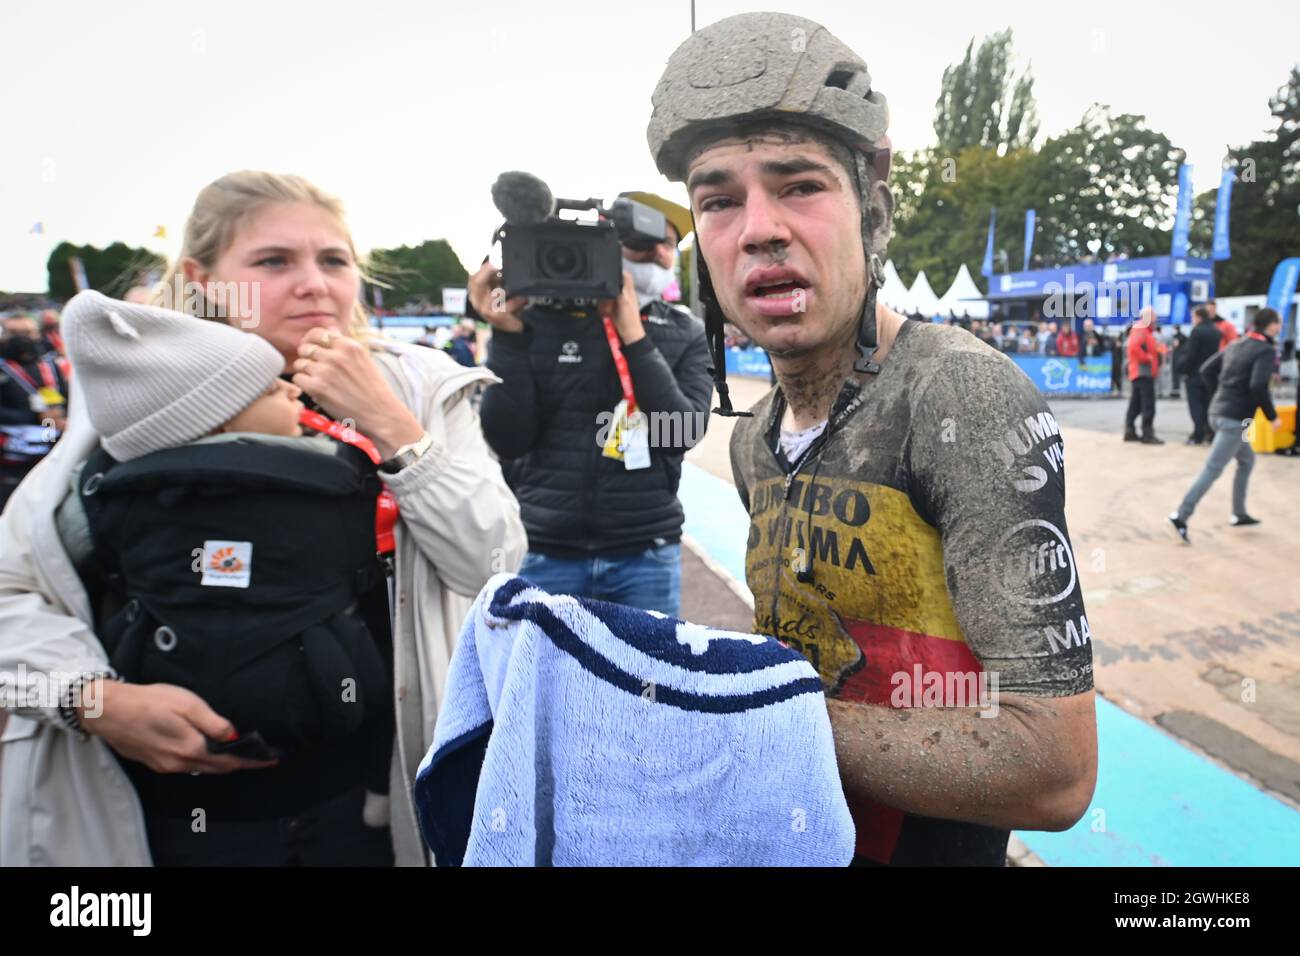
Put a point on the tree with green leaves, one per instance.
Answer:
(983, 102)
(942, 208)
(1107, 187)
(112, 270)
(1265, 224)
(411, 274)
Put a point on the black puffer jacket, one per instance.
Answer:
(557, 378)
(1202, 345)
(1239, 376)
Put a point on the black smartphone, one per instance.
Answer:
(250, 746)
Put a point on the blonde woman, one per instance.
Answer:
(271, 255)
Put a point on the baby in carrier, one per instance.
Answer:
(226, 552)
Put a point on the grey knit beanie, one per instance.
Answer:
(156, 379)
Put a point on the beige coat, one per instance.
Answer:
(65, 801)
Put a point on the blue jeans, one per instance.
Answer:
(650, 580)
(1229, 443)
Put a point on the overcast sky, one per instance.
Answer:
(113, 121)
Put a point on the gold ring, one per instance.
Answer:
(311, 352)
(328, 338)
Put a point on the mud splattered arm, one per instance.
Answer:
(1031, 767)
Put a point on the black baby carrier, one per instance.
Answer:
(234, 566)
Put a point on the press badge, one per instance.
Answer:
(635, 442)
(613, 447)
(51, 396)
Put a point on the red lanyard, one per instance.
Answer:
(349, 436)
(1256, 336)
(27, 382)
(386, 505)
(620, 363)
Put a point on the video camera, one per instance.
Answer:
(565, 260)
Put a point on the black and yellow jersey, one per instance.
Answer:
(928, 523)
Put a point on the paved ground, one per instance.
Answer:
(1202, 641)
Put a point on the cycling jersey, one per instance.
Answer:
(928, 521)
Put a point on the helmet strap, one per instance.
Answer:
(867, 342)
(714, 332)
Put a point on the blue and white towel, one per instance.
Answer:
(582, 733)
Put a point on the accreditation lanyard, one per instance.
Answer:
(28, 383)
(386, 506)
(1258, 337)
(620, 363)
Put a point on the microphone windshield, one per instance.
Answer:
(522, 198)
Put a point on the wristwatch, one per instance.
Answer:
(406, 455)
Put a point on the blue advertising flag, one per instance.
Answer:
(1282, 290)
(987, 268)
(1030, 217)
(1178, 314)
(1222, 208)
(1183, 218)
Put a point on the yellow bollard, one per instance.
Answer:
(1266, 439)
(1285, 437)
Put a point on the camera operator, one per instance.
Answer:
(600, 525)
(33, 399)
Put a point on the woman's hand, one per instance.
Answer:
(164, 727)
(340, 376)
(488, 299)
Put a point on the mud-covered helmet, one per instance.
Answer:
(758, 66)
(772, 66)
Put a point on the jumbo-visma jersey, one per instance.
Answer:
(929, 525)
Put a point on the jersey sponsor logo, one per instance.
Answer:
(832, 542)
(570, 353)
(1022, 445)
(1075, 635)
(877, 590)
(1037, 565)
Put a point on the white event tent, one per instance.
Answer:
(922, 297)
(893, 293)
(963, 298)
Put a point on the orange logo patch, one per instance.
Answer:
(224, 560)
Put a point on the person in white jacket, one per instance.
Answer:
(272, 256)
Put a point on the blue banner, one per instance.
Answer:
(987, 268)
(1282, 290)
(1156, 269)
(1222, 209)
(1053, 375)
(1178, 311)
(1030, 218)
(1183, 217)
(752, 361)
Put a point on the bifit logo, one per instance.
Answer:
(1037, 565)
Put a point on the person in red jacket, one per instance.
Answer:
(1067, 343)
(1144, 354)
(1227, 330)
